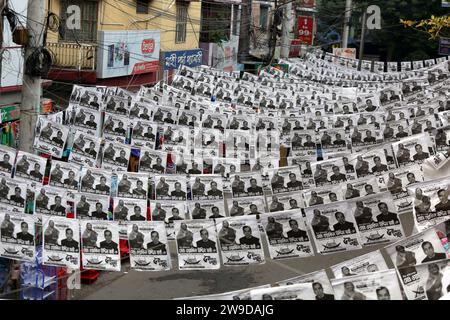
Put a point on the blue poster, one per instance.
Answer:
(189, 58)
(444, 46)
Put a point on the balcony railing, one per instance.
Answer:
(73, 55)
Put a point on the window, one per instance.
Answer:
(180, 30)
(263, 14)
(88, 10)
(215, 22)
(236, 19)
(142, 6)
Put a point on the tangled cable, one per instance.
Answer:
(39, 62)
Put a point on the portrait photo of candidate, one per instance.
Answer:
(205, 242)
(342, 224)
(136, 238)
(254, 189)
(350, 293)
(319, 292)
(215, 213)
(295, 231)
(433, 285)
(155, 244)
(337, 176)
(158, 167)
(420, 154)
(248, 238)
(185, 237)
(98, 213)
(276, 205)
(444, 203)
(319, 222)
(51, 234)
(274, 229)
(5, 164)
(178, 193)
(383, 293)
(175, 215)
(214, 191)
(102, 187)
(69, 242)
(137, 214)
(162, 188)
(57, 207)
(378, 167)
(70, 181)
(431, 255)
(24, 235)
(385, 215)
(17, 197)
(108, 244)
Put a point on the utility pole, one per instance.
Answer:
(244, 33)
(2, 5)
(31, 88)
(348, 14)
(363, 33)
(285, 38)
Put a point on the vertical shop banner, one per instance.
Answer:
(305, 29)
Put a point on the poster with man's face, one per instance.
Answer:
(87, 120)
(197, 245)
(132, 185)
(61, 242)
(287, 235)
(85, 149)
(149, 249)
(100, 245)
(299, 291)
(329, 172)
(206, 187)
(13, 194)
(152, 161)
(116, 156)
(414, 149)
(128, 210)
(174, 138)
(7, 159)
(319, 284)
(95, 181)
(323, 195)
(381, 285)
(50, 201)
(144, 134)
(169, 212)
(240, 241)
(52, 138)
(64, 175)
(17, 240)
(247, 206)
(91, 206)
(286, 179)
(170, 187)
(115, 128)
(30, 167)
(246, 185)
(207, 209)
(333, 227)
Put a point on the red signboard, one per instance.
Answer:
(305, 29)
(148, 46)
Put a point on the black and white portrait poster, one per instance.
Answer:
(263, 165)
(197, 246)
(149, 249)
(240, 241)
(87, 97)
(305, 169)
(132, 185)
(187, 164)
(128, 210)
(333, 227)
(208, 142)
(381, 285)
(206, 187)
(51, 201)
(174, 138)
(397, 182)
(413, 149)
(52, 138)
(367, 263)
(144, 134)
(116, 156)
(427, 282)
(207, 209)
(61, 244)
(248, 184)
(318, 281)
(166, 115)
(30, 167)
(363, 137)
(140, 110)
(332, 140)
(267, 144)
(419, 248)
(91, 206)
(7, 159)
(303, 143)
(190, 118)
(330, 172)
(360, 188)
(170, 187)
(372, 162)
(323, 195)
(287, 235)
(442, 139)
(100, 245)
(284, 201)
(431, 204)
(152, 161)
(247, 206)
(64, 175)
(13, 194)
(377, 219)
(286, 179)
(169, 212)
(299, 291)
(115, 128)
(17, 236)
(85, 149)
(97, 181)
(87, 120)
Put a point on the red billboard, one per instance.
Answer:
(305, 29)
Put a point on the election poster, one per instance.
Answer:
(206, 187)
(17, 236)
(30, 167)
(7, 160)
(367, 263)
(91, 206)
(52, 138)
(247, 206)
(13, 194)
(197, 246)
(299, 291)
(169, 212)
(85, 149)
(96, 181)
(61, 244)
(116, 156)
(50, 201)
(132, 185)
(64, 175)
(209, 209)
(100, 245)
(319, 284)
(149, 249)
